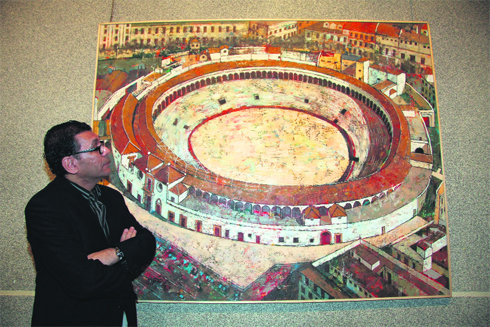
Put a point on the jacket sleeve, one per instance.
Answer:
(60, 257)
(138, 251)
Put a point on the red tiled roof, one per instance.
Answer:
(387, 69)
(318, 27)
(383, 85)
(168, 174)
(313, 275)
(388, 30)
(367, 254)
(153, 162)
(324, 53)
(427, 158)
(413, 36)
(363, 27)
(141, 163)
(130, 148)
(178, 189)
(350, 70)
(336, 211)
(364, 277)
(367, 277)
(147, 162)
(312, 213)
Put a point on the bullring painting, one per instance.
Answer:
(278, 160)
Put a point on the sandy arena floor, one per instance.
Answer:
(271, 146)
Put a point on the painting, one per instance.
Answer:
(278, 160)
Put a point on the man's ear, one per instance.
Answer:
(70, 164)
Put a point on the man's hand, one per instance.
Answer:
(107, 256)
(128, 233)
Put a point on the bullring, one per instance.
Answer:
(146, 162)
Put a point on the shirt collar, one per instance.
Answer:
(94, 194)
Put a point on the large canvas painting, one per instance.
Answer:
(278, 160)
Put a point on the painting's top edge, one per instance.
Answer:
(261, 20)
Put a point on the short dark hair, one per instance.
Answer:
(60, 142)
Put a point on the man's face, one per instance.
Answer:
(93, 165)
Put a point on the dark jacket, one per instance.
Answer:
(70, 289)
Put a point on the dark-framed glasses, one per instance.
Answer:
(99, 148)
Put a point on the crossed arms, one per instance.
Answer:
(108, 256)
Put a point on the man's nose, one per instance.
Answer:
(107, 149)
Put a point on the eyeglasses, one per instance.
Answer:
(99, 148)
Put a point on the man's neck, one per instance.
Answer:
(88, 185)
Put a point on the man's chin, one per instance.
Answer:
(107, 168)
(106, 174)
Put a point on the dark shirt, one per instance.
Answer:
(96, 205)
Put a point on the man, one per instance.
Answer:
(87, 246)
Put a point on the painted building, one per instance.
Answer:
(384, 75)
(362, 37)
(326, 35)
(440, 207)
(268, 30)
(356, 66)
(163, 34)
(428, 89)
(417, 250)
(370, 272)
(313, 285)
(415, 48)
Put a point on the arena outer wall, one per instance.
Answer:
(159, 180)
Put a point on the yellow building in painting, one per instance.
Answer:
(330, 60)
(440, 209)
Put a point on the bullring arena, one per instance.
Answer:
(266, 151)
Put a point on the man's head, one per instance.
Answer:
(60, 142)
(71, 149)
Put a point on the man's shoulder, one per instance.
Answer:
(53, 187)
(57, 193)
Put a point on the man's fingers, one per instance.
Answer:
(128, 233)
(107, 256)
(124, 235)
